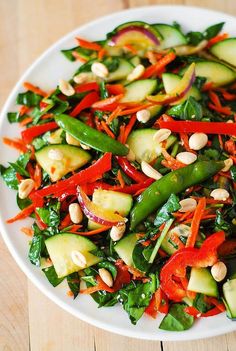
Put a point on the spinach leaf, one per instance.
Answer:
(212, 31)
(52, 276)
(140, 261)
(209, 154)
(13, 117)
(194, 38)
(221, 223)
(112, 63)
(73, 281)
(20, 165)
(50, 215)
(23, 203)
(29, 99)
(200, 303)
(233, 173)
(84, 53)
(38, 143)
(188, 110)
(136, 296)
(165, 213)
(9, 176)
(103, 90)
(177, 319)
(37, 246)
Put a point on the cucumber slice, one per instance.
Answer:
(125, 247)
(142, 144)
(155, 110)
(180, 230)
(215, 72)
(111, 200)
(201, 281)
(139, 90)
(225, 50)
(73, 158)
(135, 60)
(124, 68)
(229, 291)
(171, 36)
(171, 81)
(55, 137)
(60, 247)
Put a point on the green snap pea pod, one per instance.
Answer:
(89, 136)
(173, 183)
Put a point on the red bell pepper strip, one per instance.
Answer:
(195, 224)
(196, 314)
(157, 67)
(130, 170)
(29, 134)
(87, 87)
(123, 276)
(189, 256)
(92, 173)
(89, 188)
(199, 127)
(115, 89)
(86, 102)
(151, 310)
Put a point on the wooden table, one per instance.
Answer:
(28, 320)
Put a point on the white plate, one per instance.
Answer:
(45, 72)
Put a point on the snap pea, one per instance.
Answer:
(173, 183)
(90, 136)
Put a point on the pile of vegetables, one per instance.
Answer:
(128, 171)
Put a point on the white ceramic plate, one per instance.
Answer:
(45, 72)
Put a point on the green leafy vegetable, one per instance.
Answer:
(52, 276)
(212, 31)
(189, 110)
(13, 117)
(194, 38)
(29, 99)
(20, 165)
(50, 215)
(110, 267)
(73, 281)
(37, 246)
(177, 319)
(200, 303)
(140, 261)
(165, 213)
(136, 296)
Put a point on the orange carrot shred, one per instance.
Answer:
(34, 89)
(157, 67)
(88, 44)
(27, 231)
(17, 144)
(37, 176)
(114, 114)
(120, 179)
(129, 127)
(78, 57)
(131, 48)
(195, 224)
(22, 214)
(107, 130)
(23, 110)
(100, 286)
(121, 134)
(93, 232)
(26, 121)
(216, 39)
(101, 53)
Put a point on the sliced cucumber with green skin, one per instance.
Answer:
(215, 72)
(124, 68)
(155, 110)
(139, 90)
(201, 281)
(171, 36)
(55, 137)
(180, 230)
(125, 247)
(144, 147)
(73, 158)
(225, 50)
(171, 81)
(229, 292)
(111, 200)
(135, 60)
(60, 248)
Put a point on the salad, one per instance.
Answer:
(128, 171)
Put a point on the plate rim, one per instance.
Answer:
(13, 250)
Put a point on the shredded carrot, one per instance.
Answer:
(114, 114)
(157, 67)
(27, 231)
(107, 130)
(139, 192)
(120, 179)
(101, 53)
(88, 44)
(46, 116)
(37, 176)
(78, 57)
(214, 98)
(26, 121)
(130, 48)
(115, 89)
(23, 110)
(135, 109)
(121, 135)
(93, 232)
(185, 215)
(129, 127)
(100, 286)
(226, 95)
(17, 144)
(22, 214)
(195, 224)
(98, 124)
(225, 110)
(107, 102)
(69, 293)
(207, 86)
(65, 222)
(216, 39)
(136, 273)
(74, 228)
(184, 139)
(220, 141)
(34, 89)
(171, 162)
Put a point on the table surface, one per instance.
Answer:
(29, 321)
